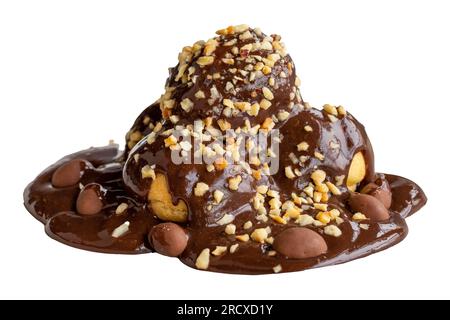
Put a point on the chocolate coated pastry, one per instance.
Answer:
(230, 171)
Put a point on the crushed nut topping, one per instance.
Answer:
(243, 237)
(333, 231)
(220, 250)
(230, 229)
(121, 208)
(277, 268)
(148, 172)
(202, 261)
(233, 183)
(200, 189)
(259, 235)
(121, 230)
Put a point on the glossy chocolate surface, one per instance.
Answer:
(56, 207)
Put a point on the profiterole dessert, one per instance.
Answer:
(230, 171)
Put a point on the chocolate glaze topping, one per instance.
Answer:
(230, 217)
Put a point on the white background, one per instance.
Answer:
(77, 73)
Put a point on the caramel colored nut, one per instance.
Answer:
(357, 171)
(382, 193)
(168, 239)
(300, 243)
(70, 173)
(161, 201)
(90, 199)
(368, 205)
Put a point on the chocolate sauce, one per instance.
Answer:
(55, 207)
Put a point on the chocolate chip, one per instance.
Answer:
(90, 199)
(168, 239)
(300, 243)
(368, 205)
(381, 192)
(70, 173)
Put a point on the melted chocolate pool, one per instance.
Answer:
(55, 207)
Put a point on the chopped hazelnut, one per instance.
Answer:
(334, 213)
(319, 156)
(234, 247)
(339, 180)
(332, 230)
(224, 124)
(358, 216)
(334, 190)
(305, 220)
(218, 196)
(293, 212)
(121, 230)
(170, 141)
(226, 219)
(121, 208)
(341, 111)
(309, 190)
(283, 115)
(277, 268)
(330, 109)
(268, 124)
(322, 187)
(228, 103)
(135, 136)
(321, 206)
(267, 93)
(317, 196)
(243, 237)
(233, 183)
(262, 189)
(248, 225)
(200, 94)
(303, 146)
(200, 189)
(259, 235)
(318, 176)
(277, 219)
(205, 60)
(228, 61)
(230, 229)
(242, 105)
(265, 104)
(202, 261)
(186, 104)
(148, 172)
(289, 173)
(323, 217)
(257, 174)
(220, 250)
(364, 226)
